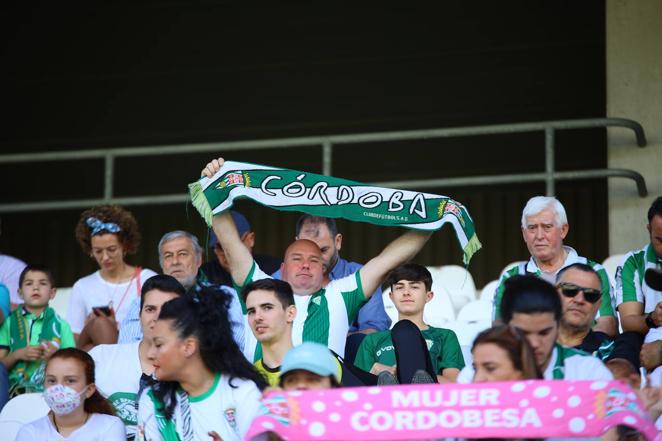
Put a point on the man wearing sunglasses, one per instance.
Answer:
(579, 287)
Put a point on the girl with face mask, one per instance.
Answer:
(78, 411)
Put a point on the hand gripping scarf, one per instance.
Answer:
(327, 196)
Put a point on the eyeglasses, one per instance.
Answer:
(571, 290)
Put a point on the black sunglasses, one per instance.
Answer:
(571, 290)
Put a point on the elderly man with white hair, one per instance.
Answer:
(544, 226)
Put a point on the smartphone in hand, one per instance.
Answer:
(105, 310)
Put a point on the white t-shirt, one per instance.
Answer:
(91, 291)
(98, 427)
(118, 372)
(576, 367)
(227, 410)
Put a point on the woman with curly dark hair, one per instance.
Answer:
(204, 385)
(100, 301)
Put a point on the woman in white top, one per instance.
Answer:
(78, 411)
(205, 385)
(100, 301)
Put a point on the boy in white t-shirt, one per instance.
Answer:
(121, 369)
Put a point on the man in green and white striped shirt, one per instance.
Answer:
(639, 305)
(324, 312)
(544, 226)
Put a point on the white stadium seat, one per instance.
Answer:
(61, 301)
(476, 311)
(488, 291)
(456, 281)
(20, 410)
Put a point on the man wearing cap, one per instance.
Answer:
(218, 270)
(640, 304)
(180, 256)
(324, 311)
(544, 227)
(309, 366)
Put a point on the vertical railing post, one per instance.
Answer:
(327, 157)
(549, 161)
(109, 173)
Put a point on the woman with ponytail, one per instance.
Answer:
(205, 387)
(78, 411)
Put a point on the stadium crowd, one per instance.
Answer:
(188, 353)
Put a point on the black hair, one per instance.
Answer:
(529, 295)
(162, 282)
(37, 268)
(411, 272)
(280, 288)
(205, 317)
(316, 220)
(580, 267)
(655, 209)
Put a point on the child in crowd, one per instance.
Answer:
(32, 333)
(411, 346)
(309, 366)
(101, 300)
(78, 411)
(502, 354)
(205, 385)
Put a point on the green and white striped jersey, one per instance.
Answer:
(323, 317)
(630, 283)
(608, 305)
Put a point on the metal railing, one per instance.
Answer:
(549, 176)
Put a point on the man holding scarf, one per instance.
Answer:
(325, 312)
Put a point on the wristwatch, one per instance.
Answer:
(649, 321)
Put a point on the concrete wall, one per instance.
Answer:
(634, 90)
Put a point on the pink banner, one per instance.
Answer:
(526, 409)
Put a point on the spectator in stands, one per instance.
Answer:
(502, 354)
(218, 270)
(639, 304)
(309, 366)
(100, 301)
(270, 312)
(544, 226)
(180, 256)
(579, 287)
(204, 383)
(10, 270)
(323, 312)
(122, 386)
(32, 333)
(78, 411)
(372, 317)
(411, 345)
(533, 307)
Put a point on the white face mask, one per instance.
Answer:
(62, 399)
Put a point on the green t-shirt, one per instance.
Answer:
(32, 375)
(443, 346)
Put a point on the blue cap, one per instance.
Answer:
(312, 357)
(242, 226)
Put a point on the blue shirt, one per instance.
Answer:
(4, 301)
(130, 330)
(372, 314)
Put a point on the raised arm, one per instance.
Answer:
(397, 252)
(239, 257)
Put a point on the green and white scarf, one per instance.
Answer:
(327, 196)
(29, 375)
